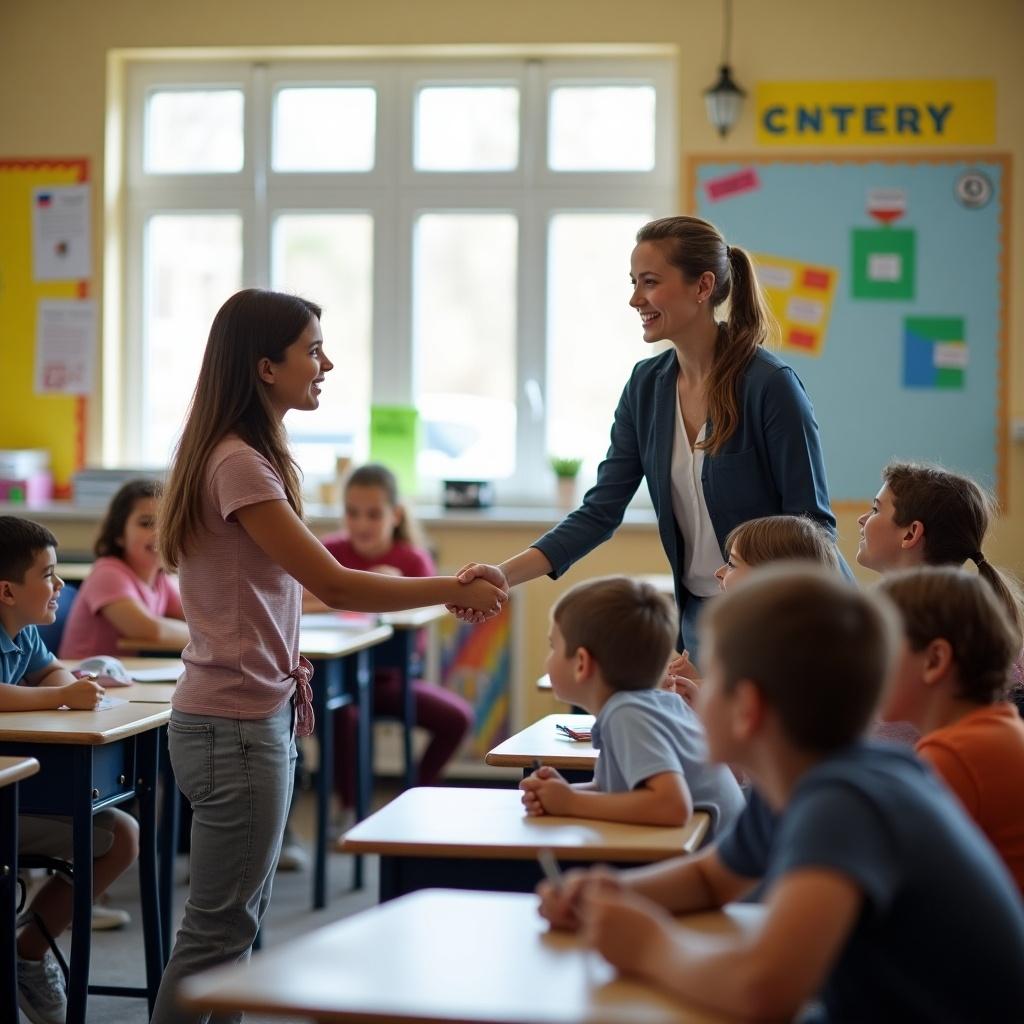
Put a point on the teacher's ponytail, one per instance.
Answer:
(696, 247)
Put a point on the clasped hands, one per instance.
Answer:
(491, 574)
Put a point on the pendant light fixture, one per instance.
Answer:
(724, 99)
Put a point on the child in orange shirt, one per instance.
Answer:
(951, 684)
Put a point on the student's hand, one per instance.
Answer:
(546, 792)
(628, 930)
(681, 665)
(687, 689)
(82, 695)
(474, 571)
(482, 598)
(560, 905)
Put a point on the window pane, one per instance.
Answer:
(328, 258)
(594, 337)
(325, 129)
(467, 128)
(195, 131)
(464, 337)
(193, 262)
(601, 128)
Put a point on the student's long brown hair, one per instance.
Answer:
(955, 512)
(695, 246)
(783, 538)
(230, 398)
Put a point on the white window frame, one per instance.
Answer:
(395, 194)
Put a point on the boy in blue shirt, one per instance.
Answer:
(881, 898)
(611, 639)
(36, 681)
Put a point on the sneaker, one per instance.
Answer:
(41, 994)
(108, 919)
(293, 857)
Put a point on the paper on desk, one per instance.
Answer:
(104, 704)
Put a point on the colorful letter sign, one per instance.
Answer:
(898, 112)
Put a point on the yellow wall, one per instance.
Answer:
(52, 80)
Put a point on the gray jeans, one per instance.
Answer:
(238, 776)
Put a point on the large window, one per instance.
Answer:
(466, 227)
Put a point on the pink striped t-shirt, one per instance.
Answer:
(242, 608)
(88, 631)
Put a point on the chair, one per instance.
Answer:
(51, 635)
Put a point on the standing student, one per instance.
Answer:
(951, 685)
(127, 593)
(721, 429)
(380, 536)
(927, 515)
(881, 898)
(29, 591)
(232, 527)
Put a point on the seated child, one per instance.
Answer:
(29, 587)
(610, 639)
(926, 515)
(127, 593)
(880, 896)
(753, 543)
(380, 536)
(951, 684)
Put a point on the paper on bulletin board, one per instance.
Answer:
(394, 441)
(65, 346)
(800, 295)
(60, 233)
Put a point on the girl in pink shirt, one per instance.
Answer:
(379, 537)
(232, 527)
(127, 593)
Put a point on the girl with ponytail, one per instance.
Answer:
(720, 428)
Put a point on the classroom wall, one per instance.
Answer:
(53, 83)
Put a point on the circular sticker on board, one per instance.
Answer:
(973, 189)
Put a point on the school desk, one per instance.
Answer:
(441, 837)
(12, 771)
(400, 652)
(441, 956)
(343, 674)
(91, 760)
(543, 742)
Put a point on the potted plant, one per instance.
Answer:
(566, 470)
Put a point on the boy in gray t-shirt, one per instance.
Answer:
(611, 639)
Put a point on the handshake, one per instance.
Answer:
(480, 576)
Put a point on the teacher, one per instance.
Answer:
(721, 429)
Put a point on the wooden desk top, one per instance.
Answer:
(143, 670)
(442, 956)
(315, 644)
(414, 618)
(14, 769)
(144, 693)
(86, 728)
(74, 572)
(542, 740)
(491, 824)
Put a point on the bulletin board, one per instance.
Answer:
(27, 419)
(888, 278)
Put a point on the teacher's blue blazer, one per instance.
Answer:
(772, 464)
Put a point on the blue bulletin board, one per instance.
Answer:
(888, 279)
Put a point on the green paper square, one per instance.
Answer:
(949, 377)
(874, 246)
(394, 441)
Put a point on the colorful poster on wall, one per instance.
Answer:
(884, 262)
(476, 663)
(934, 352)
(801, 297)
